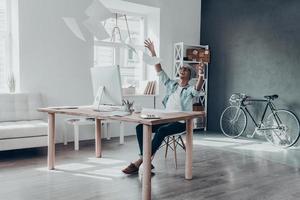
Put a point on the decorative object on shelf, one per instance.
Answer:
(11, 82)
(194, 55)
(198, 54)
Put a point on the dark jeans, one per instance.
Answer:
(161, 131)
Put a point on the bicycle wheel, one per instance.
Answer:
(286, 132)
(233, 121)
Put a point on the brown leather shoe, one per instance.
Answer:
(131, 169)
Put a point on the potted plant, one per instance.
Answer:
(11, 82)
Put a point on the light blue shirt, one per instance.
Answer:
(186, 96)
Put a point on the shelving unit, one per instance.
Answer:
(179, 59)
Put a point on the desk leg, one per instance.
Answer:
(51, 141)
(121, 132)
(76, 137)
(189, 149)
(106, 125)
(98, 137)
(146, 191)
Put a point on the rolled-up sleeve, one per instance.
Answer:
(195, 93)
(164, 78)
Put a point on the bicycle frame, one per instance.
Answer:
(268, 105)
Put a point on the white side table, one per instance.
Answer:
(76, 122)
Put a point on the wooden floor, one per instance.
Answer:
(219, 173)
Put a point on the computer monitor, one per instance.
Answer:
(106, 86)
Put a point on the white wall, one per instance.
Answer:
(54, 62)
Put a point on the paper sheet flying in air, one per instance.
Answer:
(150, 60)
(95, 28)
(74, 27)
(98, 11)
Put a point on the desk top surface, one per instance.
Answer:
(87, 111)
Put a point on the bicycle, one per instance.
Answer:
(281, 127)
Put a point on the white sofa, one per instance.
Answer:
(21, 125)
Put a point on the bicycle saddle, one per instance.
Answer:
(274, 96)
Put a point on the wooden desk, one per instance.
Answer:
(135, 118)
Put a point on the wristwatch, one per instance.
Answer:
(202, 74)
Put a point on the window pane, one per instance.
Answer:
(104, 56)
(132, 68)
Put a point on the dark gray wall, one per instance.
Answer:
(255, 49)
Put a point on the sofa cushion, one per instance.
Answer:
(22, 143)
(23, 129)
(20, 106)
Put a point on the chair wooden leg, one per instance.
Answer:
(167, 147)
(175, 155)
(183, 145)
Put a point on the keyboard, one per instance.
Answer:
(149, 116)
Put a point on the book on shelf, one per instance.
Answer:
(150, 88)
(147, 88)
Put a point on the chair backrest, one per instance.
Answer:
(20, 106)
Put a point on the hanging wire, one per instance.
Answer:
(127, 28)
(116, 30)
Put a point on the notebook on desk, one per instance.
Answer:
(111, 110)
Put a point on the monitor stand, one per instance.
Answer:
(98, 98)
(103, 107)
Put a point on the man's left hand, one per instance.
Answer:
(201, 68)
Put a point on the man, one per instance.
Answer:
(179, 97)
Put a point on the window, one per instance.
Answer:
(114, 53)
(4, 52)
